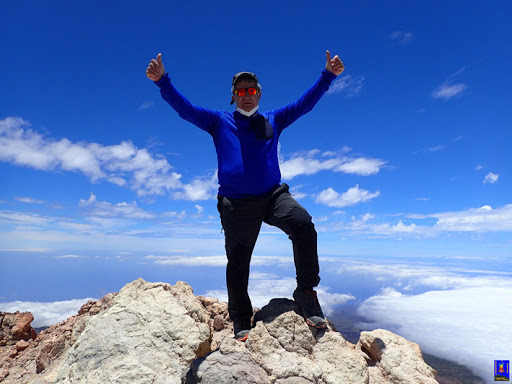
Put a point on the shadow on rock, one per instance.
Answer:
(278, 306)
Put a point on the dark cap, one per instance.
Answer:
(247, 75)
(244, 74)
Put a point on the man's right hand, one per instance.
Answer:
(155, 69)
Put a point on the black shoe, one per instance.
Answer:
(311, 310)
(242, 328)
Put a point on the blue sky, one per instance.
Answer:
(404, 165)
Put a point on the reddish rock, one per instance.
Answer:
(22, 358)
(214, 307)
(219, 323)
(15, 327)
(22, 345)
(22, 329)
(3, 374)
(13, 353)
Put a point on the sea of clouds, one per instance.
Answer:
(458, 313)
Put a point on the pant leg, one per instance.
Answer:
(288, 215)
(241, 220)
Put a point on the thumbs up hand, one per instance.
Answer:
(155, 69)
(334, 65)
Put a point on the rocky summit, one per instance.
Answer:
(163, 334)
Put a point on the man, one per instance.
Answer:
(250, 189)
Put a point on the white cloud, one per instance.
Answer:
(361, 166)
(37, 250)
(298, 195)
(367, 217)
(312, 162)
(23, 218)
(216, 261)
(437, 148)
(451, 87)
(456, 313)
(484, 219)
(28, 200)
(119, 164)
(448, 91)
(444, 323)
(477, 220)
(348, 85)
(199, 209)
(263, 276)
(491, 178)
(113, 235)
(46, 314)
(146, 105)
(190, 261)
(201, 188)
(352, 196)
(175, 215)
(364, 225)
(402, 37)
(106, 209)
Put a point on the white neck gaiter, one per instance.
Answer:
(248, 114)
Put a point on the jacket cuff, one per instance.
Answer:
(163, 80)
(328, 75)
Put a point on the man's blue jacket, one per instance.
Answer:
(246, 146)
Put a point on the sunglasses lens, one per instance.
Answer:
(251, 90)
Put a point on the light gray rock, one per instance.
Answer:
(397, 360)
(231, 364)
(150, 334)
(290, 351)
(163, 334)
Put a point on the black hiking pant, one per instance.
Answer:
(241, 219)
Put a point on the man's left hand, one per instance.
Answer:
(334, 65)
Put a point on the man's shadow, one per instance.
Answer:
(279, 306)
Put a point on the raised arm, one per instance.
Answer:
(202, 117)
(291, 112)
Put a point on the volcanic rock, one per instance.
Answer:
(387, 353)
(160, 333)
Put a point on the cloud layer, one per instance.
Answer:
(461, 317)
(263, 289)
(46, 314)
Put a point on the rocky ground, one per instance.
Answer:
(159, 333)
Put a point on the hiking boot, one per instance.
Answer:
(310, 307)
(242, 328)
